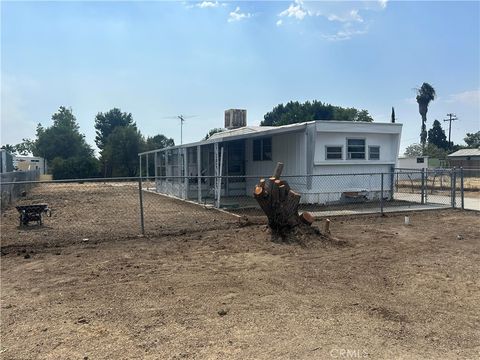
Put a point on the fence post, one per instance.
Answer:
(423, 187)
(462, 188)
(381, 194)
(453, 182)
(140, 194)
(425, 194)
(392, 182)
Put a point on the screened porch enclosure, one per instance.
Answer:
(203, 173)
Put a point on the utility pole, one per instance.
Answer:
(451, 117)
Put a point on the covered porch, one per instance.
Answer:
(202, 172)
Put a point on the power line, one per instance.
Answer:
(451, 117)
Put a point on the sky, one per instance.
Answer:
(160, 59)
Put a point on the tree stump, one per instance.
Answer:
(280, 203)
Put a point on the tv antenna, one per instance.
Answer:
(182, 119)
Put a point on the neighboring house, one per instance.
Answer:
(465, 158)
(26, 163)
(413, 163)
(306, 149)
(6, 161)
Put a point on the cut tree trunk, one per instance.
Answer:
(280, 204)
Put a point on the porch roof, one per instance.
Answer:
(240, 133)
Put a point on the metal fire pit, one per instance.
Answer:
(32, 213)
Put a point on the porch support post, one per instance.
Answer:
(146, 163)
(199, 173)
(220, 178)
(167, 172)
(310, 133)
(155, 164)
(140, 168)
(217, 171)
(185, 173)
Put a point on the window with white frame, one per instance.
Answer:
(262, 149)
(355, 149)
(333, 153)
(374, 152)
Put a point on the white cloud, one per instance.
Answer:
(237, 15)
(470, 97)
(279, 22)
(344, 34)
(208, 4)
(383, 3)
(352, 15)
(345, 18)
(295, 10)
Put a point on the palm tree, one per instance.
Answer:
(425, 94)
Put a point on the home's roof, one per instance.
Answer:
(254, 131)
(240, 131)
(466, 152)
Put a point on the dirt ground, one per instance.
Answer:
(220, 289)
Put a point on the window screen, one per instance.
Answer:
(356, 148)
(262, 149)
(333, 152)
(374, 152)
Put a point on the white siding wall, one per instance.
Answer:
(286, 148)
(330, 188)
(387, 143)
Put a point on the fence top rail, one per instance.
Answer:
(66, 181)
(167, 177)
(266, 176)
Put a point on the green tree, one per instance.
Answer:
(294, 112)
(413, 150)
(435, 152)
(63, 139)
(425, 94)
(213, 131)
(106, 123)
(430, 150)
(158, 142)
(437, 137)
(64, 147)
(75, 168)
(27, 146)
(472, 140)
(11, 149)
(121, 151)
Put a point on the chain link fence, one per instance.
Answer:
(89, 210)
(85, 211)
(323, 195)
(14, 184)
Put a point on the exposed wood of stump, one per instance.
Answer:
(280, 203)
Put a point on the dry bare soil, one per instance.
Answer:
(393, 291)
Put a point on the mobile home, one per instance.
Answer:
(311, 151)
